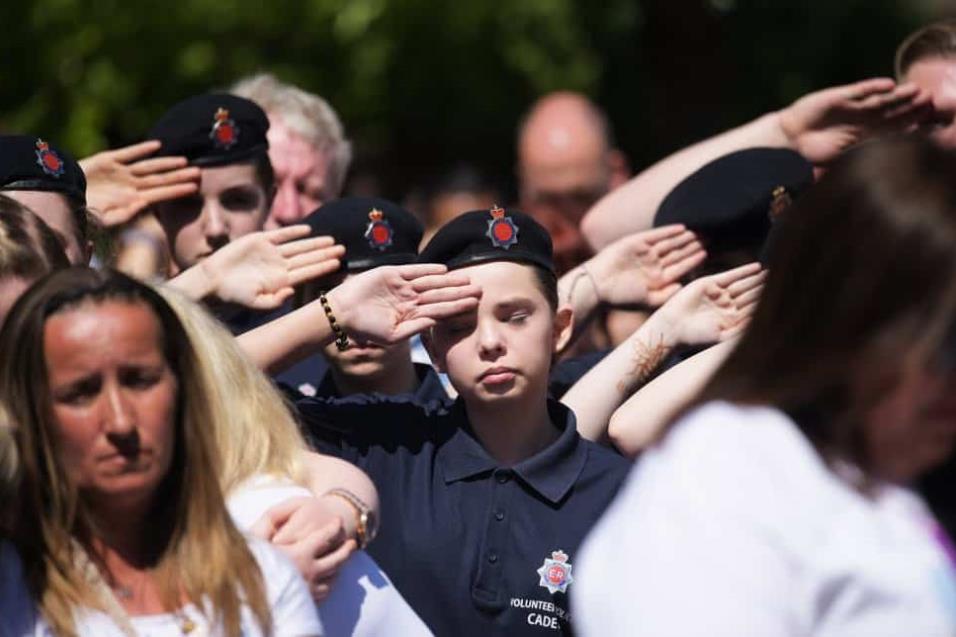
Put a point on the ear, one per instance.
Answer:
(437, 358)
(563, 328)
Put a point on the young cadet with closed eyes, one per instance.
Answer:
(484, 502)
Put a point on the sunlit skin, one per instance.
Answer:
(113, 401)
(913, 428)
(369, 367)
(230, 203)
(937, 76)
(498, 358)
(300, 174)
(55, 210)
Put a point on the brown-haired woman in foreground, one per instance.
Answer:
(778, 503)
(121, 528)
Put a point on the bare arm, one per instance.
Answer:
(640, 419)
(819, 126)
(324, 473)
(384, 305)
(640, 269)
(709, 310)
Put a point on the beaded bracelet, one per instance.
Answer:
(341, 340)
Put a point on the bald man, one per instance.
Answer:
(566, 162)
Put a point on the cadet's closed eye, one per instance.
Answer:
(240, 198)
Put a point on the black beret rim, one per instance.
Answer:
(46, 186)
(393, 258)
(212, 161)
(526, 258)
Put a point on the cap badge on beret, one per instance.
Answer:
(378, 232)
(48, 160)
(224, 133)
(780, 202)
(501, 229)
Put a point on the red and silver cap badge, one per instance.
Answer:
(48, 160)
(378, 233)
(224, 133)
(501, 229)
(556, 573)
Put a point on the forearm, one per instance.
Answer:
(324, 473)
(601, 391)
(193, 282)
(639, 421)
(631, 208)
(288, 339)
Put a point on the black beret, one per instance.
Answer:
(30, 163)
(731, 202)
(490, 235)
(374, 231)
(213, 130)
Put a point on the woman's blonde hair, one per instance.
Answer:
(257, 433)
(199, 554)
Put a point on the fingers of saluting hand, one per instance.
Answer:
(724, 279)
(455, 293)
(439, 280)
(659, 234)
(313, 255)
(309, 272)
(165, 193)
(676, 242)
(135, 151)
(693, 249)
(747, 284)
(415, 270)
(860, 91)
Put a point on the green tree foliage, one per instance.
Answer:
(420, 83)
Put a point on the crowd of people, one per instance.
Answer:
(714, 398)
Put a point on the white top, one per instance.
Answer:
(363, 602)
(735, 527)
(293, 614)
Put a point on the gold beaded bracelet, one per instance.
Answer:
(341, 340)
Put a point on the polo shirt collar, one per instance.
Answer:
(550, 473)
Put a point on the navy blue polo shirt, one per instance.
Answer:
(475, 547)
(429, 386)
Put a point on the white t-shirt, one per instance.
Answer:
(735, 527)
(293, 614)
(362, 602)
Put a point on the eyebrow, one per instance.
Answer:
(514, 301)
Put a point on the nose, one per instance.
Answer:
(490, 343)
(286, 208)
(120, 420)
(215, 225)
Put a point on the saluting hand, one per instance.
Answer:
(120, 183)
(823, 124)
(712, 308)
(392, 303)
(645, 267)
(260, 270)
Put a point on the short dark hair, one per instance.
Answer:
(548, 284)
(934, 40)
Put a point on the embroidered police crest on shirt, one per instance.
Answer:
(501, 229)
(224, 133)
(48, 160)
(378, 233)
(556, 572)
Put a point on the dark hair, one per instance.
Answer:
(548, 284)
(264, 172)
(28, 248)
(862, 278)
(934, 40)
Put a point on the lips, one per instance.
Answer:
(497, 375)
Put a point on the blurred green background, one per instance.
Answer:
(421, 84)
